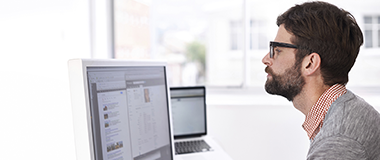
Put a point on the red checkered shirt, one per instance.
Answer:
(314, 119)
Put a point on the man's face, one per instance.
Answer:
(284, 74)
(288, 84)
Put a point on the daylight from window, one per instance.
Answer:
(203, 40)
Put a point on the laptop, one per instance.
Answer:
(120, 110)
(189, 118)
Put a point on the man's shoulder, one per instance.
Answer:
(350, 109)
(351, 121)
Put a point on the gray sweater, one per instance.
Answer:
(351, 130)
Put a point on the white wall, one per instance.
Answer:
(248, 132)
(37, 38)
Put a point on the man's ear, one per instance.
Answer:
(311, 63)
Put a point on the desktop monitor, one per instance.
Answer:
(120, 109)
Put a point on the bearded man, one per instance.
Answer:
(308, 63)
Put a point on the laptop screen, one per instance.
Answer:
(188, 106)
(129, 112)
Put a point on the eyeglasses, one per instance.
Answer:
(272, 45)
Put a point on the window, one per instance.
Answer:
(177, 31)
(257, 35)
(132, 28)
(372, 31)
(236, 35)
(202, 41)
(197, 39)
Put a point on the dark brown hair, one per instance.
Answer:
(325, 29)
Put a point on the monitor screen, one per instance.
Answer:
(188, 106)
(128, 111)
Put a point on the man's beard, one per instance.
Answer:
(288, 85)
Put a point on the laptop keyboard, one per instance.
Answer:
(191, 147)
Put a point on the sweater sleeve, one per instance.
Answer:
(337, 148)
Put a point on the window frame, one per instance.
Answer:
(371, 31)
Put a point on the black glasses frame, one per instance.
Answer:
(273, 44)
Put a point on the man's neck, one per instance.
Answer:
(308, 97)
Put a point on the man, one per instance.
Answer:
(315, 48)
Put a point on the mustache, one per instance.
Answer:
(269, 70)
